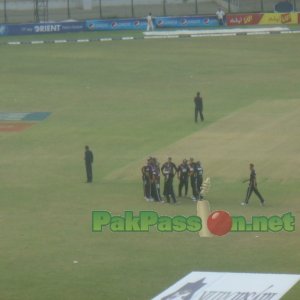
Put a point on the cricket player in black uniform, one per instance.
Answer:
(147, 180)
(183, 176)
(252, 187)
(193, 178)
(169, 170)
(198, 107)
(88, 158)
(155, 180)
(199, 177)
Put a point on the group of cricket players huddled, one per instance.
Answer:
(188, 171)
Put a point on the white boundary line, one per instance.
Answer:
(165, 36)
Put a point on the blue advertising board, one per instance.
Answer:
(38, 28)
(186, 22)
(159, 22)
(116, 24)
(112, 24)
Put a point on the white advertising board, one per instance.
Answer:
(229, 286)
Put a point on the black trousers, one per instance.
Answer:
(168, 189)
(250, 190)
(198, 111)
(89, 172)
(155, 191)
(199, 183)
(194, 185)
(183, 182)
(147, 187)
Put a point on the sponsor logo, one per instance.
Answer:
(91, 26)
(286, 18)
(236, 20)
(48, 28)
(248, 19)
(184, 21)
(187, 291)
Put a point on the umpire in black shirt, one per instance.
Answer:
(88, 158)
(198, 107)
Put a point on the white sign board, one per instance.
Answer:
(229, 286)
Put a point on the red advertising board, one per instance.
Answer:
(298, 18)
(243, 19)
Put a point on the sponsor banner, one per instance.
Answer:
(19, 121)
(13, 127)
(15, 116)
(298, 18)
(230, 286)
(180, 22)
(37, 116)
(243, 19)
(116, 24)
(262, 19)
(159, 22)
(288, 18)
(26, 116)
(38, 28)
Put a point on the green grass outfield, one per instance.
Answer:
(129, 100)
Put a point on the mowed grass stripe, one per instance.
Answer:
(263, 133)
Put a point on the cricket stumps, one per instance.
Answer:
(203, 211)
(205, 187)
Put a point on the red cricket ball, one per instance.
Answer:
(219, 222)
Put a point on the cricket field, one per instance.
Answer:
(129, 100)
